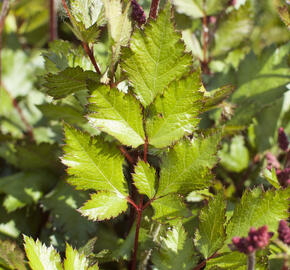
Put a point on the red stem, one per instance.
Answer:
(66, 8)
(52, 20)
(205, 43)
(91, 56)
(153, 9)
(133, 203)
(127, 155)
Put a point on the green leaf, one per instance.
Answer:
(93, 163)
(41, 257)
(258, 208)
(215, 97)
(283, 11)
(25, 188)
(144, 179)
(75, 260)
(62, 203)
(188, 164)
(232, 260)
(86, 35)
(210, 236)
(89, 12)
(104, 205)
(271, 177)
(176, 252)
(119, 25)
(169, 207)
(155, 58)
(233, 29)
(197, 8)
(236, 157)
(174, 114)
(68, 81)
(116, 113)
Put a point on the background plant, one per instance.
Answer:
(145, 124)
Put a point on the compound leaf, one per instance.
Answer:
(155, 58)
(93, 163)
(41, 257)
(188, 164)
(210, 235)
(68, 81)
(144, 179)
(174, 113)
(116, 113)
(104, 205)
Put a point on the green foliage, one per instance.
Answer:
(103, 161)
(155, 58)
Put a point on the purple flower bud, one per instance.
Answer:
(272, 162)
(284, 232)
(138, 13)
(256, 239)
(282, 139)
(284, 177)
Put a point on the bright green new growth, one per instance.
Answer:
(104, 205)
(93, 163)
(116, 113)
(41, 257)
(174, 114)
(145, 178)
(155, 58)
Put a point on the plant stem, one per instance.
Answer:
(205, 43)
(203, 263)
(91, 56)
(133, 203)
(4, 11)
(251, 261)
(66, 8)
(52, 20)
(145, 149)
(153, 9)
(126, 154)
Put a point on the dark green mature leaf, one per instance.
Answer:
(104, 205)
(25, 188)
(261, 81)
(68, 81)
(145, 179)
(210, 235)
(188, 164)
(233, 29)
(174, 114)
(169, 207)
(63, 202)
(93, 163)
(155, 58)
(116, 113)
(258, 208)
(176, 252)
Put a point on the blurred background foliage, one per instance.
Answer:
(244, 43)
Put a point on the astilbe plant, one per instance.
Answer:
(151, 153)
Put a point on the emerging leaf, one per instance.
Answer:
(104, 205)
(68, 81)
(188, 164)
(174, 114)
(155, 58)
(41, 257)
(144, 179)
(210, 235)
(93, 163)
(116, 113)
